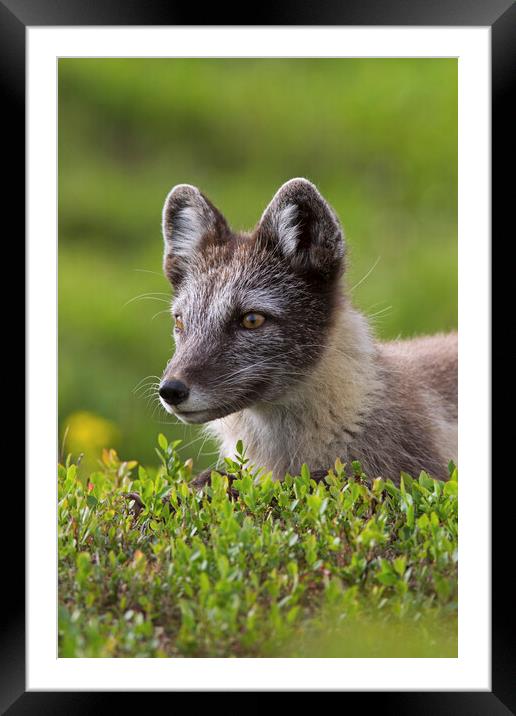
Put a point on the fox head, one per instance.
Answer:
(252, 311)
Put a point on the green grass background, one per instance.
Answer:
(378, 137)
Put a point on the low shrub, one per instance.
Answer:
(149, 567)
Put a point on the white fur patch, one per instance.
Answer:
(287, 228)
(189, 228)
(189, 223)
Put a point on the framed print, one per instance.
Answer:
(317, 520)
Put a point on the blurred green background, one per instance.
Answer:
(378, 137)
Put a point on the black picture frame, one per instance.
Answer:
(500, 16)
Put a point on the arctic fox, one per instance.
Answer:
(270, 351)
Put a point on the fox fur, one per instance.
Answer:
(311, 384)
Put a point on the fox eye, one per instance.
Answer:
(179, 325)
(252, 320)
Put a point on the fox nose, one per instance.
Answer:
(173, 391)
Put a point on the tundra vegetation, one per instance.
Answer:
(345, 567)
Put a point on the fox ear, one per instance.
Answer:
(189, 220)
(305, 228)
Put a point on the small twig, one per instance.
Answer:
(138, 504)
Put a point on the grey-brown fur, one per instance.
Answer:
(311, 384)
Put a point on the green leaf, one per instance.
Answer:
(400, 564)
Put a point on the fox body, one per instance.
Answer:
(270, 351)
